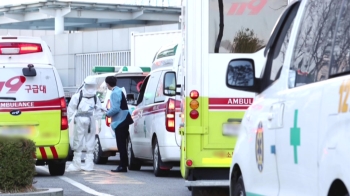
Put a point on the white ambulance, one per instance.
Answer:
(154, 136)
(294, 138)
(131, 79)
(226, 30)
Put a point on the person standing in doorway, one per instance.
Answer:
(121, 119)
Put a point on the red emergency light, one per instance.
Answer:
(8, 48)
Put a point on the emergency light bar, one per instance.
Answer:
(135, 69)
(7, 48)
(125, 69)
(102, 69)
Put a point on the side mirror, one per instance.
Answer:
(170, 84)
(240, 75)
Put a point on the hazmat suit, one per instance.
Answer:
(84, 114)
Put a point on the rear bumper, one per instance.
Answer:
(170, 153)
(207, 183)
(58, 151)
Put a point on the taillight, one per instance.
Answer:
(7, 48)
(170, 116)
(189, 162)
(194, 94)
(194, 104)
(108, 119)
(64, 119)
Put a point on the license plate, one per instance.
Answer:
(230, 129)
(15, 131)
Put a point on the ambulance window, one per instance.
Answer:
(311, 58)
(151, 88)
(142, 91)
(340, 61)
(159, 93)
(278, 51)
(168, 51)
(247, 24)
(131, 84)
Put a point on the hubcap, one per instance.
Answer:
(96, 150)
(155, 157)
(129, 151)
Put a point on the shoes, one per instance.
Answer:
(76, 163)
(120, 169)
(89, 164)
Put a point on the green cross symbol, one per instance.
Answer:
(295, 136)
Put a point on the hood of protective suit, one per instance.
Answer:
(89, 88)
(89, 92)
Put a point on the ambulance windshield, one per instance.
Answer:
(242, 26)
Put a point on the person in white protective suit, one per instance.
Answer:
(84, 108)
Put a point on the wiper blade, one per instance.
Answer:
(9, 98)
(221, 30)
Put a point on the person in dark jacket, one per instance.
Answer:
(121, 119)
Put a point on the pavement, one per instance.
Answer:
(103, 182)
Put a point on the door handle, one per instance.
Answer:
(234, 120)
(270, 116)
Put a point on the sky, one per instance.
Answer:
(140, 2)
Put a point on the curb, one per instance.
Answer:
(42, 192)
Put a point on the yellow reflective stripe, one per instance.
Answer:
(217, 160)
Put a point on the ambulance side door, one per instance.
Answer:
(297, 143)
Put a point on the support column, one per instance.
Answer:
(59, 24)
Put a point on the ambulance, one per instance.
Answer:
(294, 138)
(32, 102)
(211, 111)
(129, 78)
(154, 136)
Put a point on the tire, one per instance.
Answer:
(134, 164)
(238, 188)
(98, 159)
(157, 161)
(57, 168)
(209, 191)
(70, 154)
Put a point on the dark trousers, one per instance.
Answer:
(122, 134)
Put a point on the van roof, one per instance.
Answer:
(162, 69)
(9, 37)
(101, 75)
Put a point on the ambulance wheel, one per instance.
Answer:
(239, 188)
(209, 191)
(70, 154)
(98, 158)
(157, 161)
(134, 164)
(57, 168)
